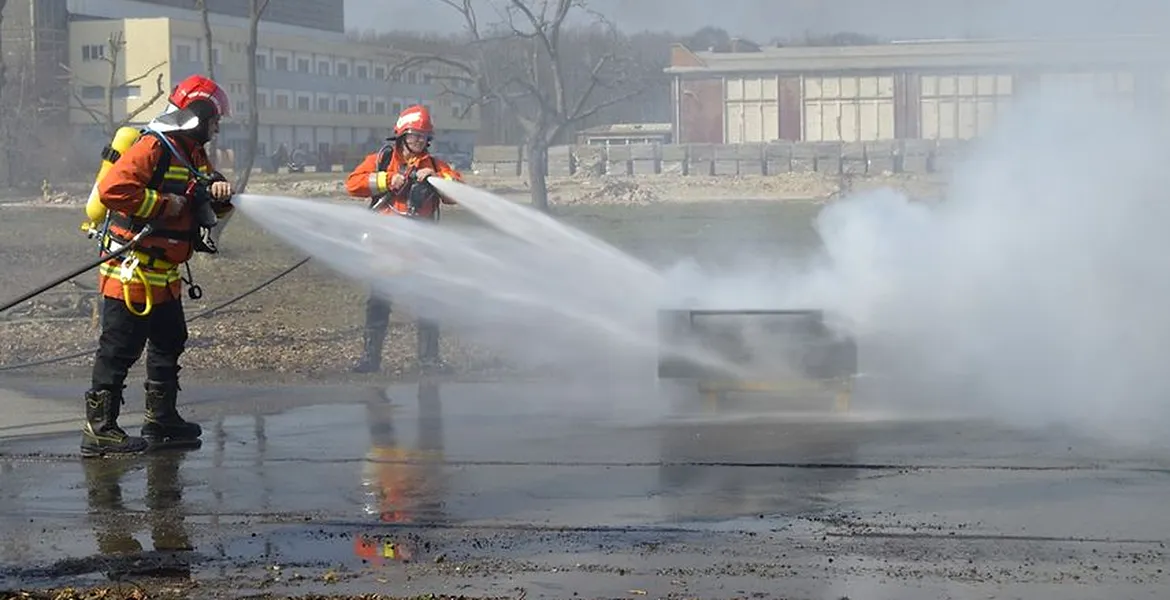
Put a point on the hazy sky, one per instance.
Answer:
(765, 19)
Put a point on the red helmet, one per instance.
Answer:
(198, 87)
(415, 119)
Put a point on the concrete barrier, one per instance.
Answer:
(773, 158)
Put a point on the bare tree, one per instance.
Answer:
(244, 165)
(208, 51)
(4, 113)
(108, 118)
(527, 64)
(3, 66)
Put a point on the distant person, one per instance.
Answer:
(394, 178)
(154, 181)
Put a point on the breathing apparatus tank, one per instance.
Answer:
(95, 211)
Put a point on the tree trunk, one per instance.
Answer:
(538, 171)
(5, 115)
(244, 166)
(208, 56)
(3, 65)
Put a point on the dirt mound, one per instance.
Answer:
(304, 188)
(624, 192)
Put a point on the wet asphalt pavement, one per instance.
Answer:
(534, 490)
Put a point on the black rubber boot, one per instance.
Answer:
(429, 360)
(372, 342)
(163, 427)
(101, 435)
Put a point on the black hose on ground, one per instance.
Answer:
(79, 270)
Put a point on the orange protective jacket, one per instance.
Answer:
(366, 181)
(136, 190)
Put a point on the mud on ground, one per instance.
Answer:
(133, 592)
(307, 325)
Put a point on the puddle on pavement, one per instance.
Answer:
(427, 471)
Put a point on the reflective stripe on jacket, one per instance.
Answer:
(135, 191)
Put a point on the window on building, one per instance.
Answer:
(411, 77)
(342, 105)
(93, 52)
(261, 100)
(323, 105)
(363, 107)
(127, 92)
(303, 65)
(397, 107)
(282, 101)
(379, 73)
(304, 103)
(93, 92)
(261, 62)
(379, 107)
(363, 72)
(183, 53)
(323, 68)
(215, 56)
(281, 63)
(342, 70)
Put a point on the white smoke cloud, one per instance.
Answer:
(1037, 292)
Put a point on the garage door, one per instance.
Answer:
(752, 109)
(1111, 86)
(848, 108)
(962, 106)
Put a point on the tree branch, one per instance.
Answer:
(97, 117)
(593, 82)
(157, 94)
(145, 74)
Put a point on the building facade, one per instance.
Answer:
(917, 90)
(34, 41)
(327, 97)
(316, 15)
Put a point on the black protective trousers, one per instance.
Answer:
(163, 333)
(378, 310)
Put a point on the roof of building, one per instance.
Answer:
(927, 54)
(628, 129)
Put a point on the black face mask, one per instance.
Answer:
(205, 110)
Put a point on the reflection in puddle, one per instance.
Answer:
(115, 534)
(403, 483)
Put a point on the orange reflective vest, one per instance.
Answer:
(371, 179)
(135, 190)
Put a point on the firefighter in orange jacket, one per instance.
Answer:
(164, 179)
(394, 179)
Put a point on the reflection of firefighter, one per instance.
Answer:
(403, 483)
(113, 528)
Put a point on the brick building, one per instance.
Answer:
(925, 90)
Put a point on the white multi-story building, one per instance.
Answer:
(317, 91)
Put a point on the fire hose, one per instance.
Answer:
(133, 243)
(201, 315)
